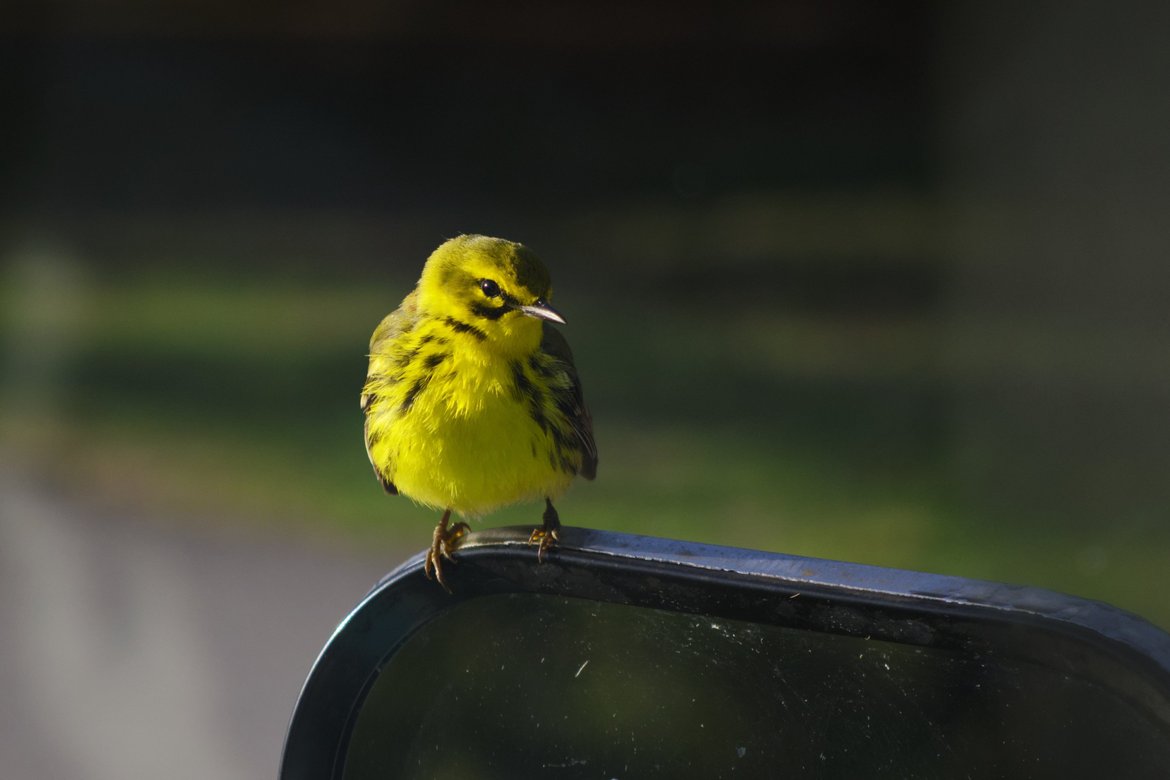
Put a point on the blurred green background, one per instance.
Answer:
(868, 282)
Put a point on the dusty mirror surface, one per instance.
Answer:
(546, 686)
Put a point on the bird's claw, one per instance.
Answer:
(443, 543)
(451, 539)
(546, 536)
(545, 539)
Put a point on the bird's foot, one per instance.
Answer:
(545, 540)
(548, 534)
(443, 542)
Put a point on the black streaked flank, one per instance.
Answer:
(538, 366)
(407, 357)
(567, 465)
(564, 440)
(387, 485)
(525, 389)
(568, 438)
(413, 392)
(431, 338)
(567, 405)
(432, 361)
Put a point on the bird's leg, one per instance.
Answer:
(443, 542)
(546, 536)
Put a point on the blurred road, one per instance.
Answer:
(139, 649)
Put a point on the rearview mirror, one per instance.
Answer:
(627, 656)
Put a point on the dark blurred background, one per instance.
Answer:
(874, 282)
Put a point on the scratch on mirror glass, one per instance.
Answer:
(581, 669)
(569, 763)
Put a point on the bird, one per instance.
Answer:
(472, 400)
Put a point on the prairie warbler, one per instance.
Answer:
(472, 400)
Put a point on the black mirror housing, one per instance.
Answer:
(636, 656)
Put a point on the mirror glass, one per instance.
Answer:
(526, 685)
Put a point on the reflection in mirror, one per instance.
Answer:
(526, 685)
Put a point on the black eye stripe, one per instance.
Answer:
(491, 289)
(489, 312)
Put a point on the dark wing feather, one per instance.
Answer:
(396, 323)
(554, 344)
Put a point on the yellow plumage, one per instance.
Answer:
(472, 400)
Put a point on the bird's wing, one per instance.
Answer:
(554, 344)
(392, 327)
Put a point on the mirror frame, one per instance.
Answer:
(1113, 647)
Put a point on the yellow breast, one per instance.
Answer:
(463, 436)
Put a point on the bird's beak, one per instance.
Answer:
(542, 311)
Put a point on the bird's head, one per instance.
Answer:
(499, 288)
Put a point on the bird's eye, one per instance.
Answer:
(490, 288)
